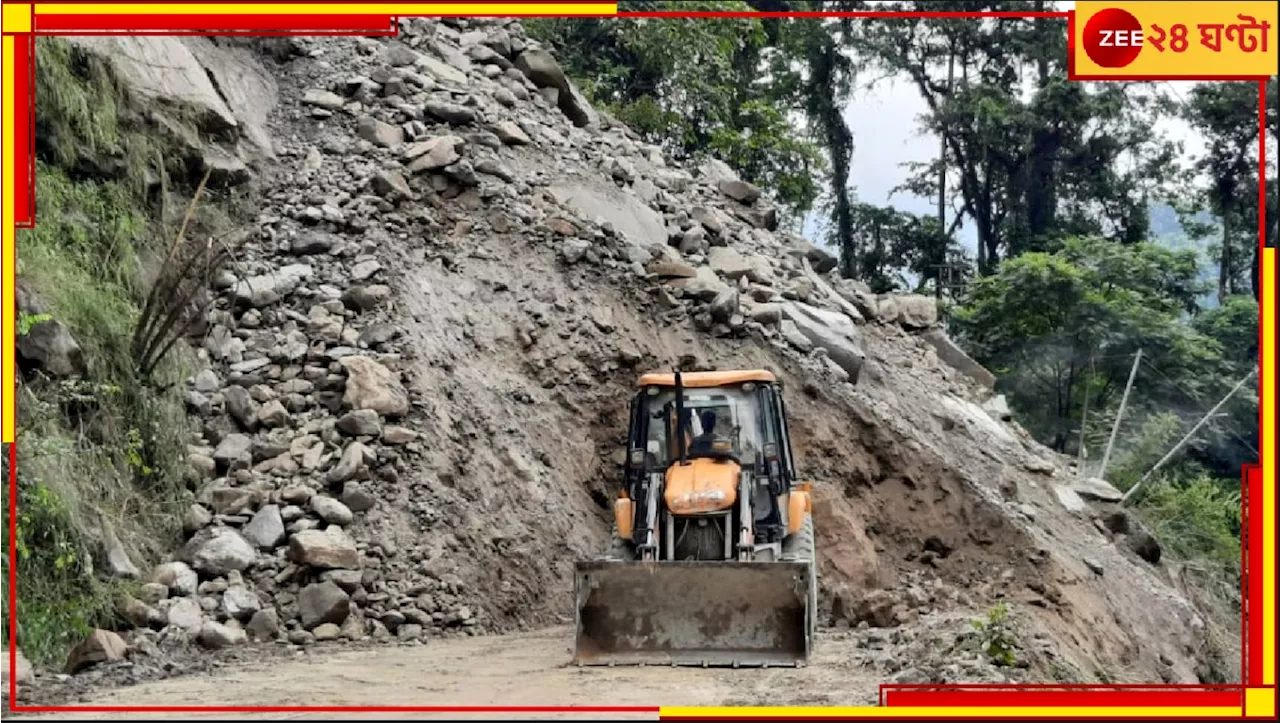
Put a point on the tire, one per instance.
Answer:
(620, 549)
(802, 547)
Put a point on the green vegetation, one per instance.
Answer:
(106, 449)
(701, 87)
(998, 635)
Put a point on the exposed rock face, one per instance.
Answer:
(48, 346)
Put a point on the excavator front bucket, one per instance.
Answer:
(693, 613)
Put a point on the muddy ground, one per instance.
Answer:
(509, 670)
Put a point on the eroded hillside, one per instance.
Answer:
(414, 399)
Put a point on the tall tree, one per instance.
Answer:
(1226, 113)
(813, 73)
(1033, 162)
(694, 87)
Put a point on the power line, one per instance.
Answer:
(1230, 428)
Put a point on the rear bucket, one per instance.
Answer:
(692, 613)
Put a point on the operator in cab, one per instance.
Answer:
(705, 443)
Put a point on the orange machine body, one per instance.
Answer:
(702, 486)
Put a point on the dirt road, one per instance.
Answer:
(509, 670)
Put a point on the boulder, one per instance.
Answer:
(215, 635)
(331, 511)
(184, 613)
(728, 262)
(177, 577)
(541, 68)
(215, 551)
(266, 530)
(955, 357)
(49, 347)
(264, 625)
(266, 289)
(372, 386)
(916, 311)
(433, 153)
(739, 190)
(322, 602)
(379, 133)
(628, 215)
(328, 548)
(1093, 488)
(829, 330)
(704, 286)
(102, 646)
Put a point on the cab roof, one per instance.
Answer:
(707, 379)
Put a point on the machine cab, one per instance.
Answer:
(705, 434)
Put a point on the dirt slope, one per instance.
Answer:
(510, 278)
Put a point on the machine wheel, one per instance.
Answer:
(802, 547)
(620, 549)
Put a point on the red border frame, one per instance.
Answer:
(890, 694)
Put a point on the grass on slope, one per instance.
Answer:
(106, 450)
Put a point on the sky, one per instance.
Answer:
(886, 135)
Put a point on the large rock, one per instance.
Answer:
(162, 71)
(216, 551)
(379, 133)
(832, 331)
(177, 577)
(322, 602)
(214, 635)
(371, 385)
(624, 211)
(727, 262)
(102, 646)
(955, 357)
(184, 613)
(266, 530)
(246, 87)
(1092, 488)
(235, 451)
(441, 70)
(330, 548)
(239, 602)
(451, 113)
(267, 289)
(821, 259)
(915, 311)
(704, 286)
(542, 69)
(739, 190)
(117, 557)
(433, 153)
(48, 346)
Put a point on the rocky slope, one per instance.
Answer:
(417, 382)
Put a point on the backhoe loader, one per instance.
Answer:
(712, 561)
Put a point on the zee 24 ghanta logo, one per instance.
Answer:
(1113, 38)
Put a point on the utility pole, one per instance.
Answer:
(1210, 415)
(1106, 456)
